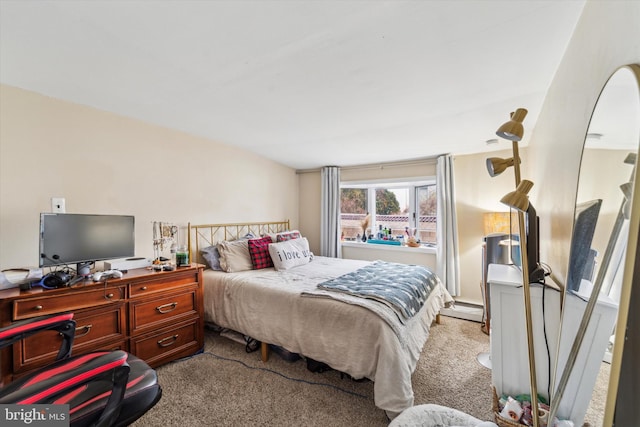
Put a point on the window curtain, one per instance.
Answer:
(330, 215)
(448, 268)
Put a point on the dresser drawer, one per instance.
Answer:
(163, 282)
(51, 304)
(168, 344)
(95, 329)
(153, 313)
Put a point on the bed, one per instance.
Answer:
(284, 307)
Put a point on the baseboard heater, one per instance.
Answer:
(464, 311)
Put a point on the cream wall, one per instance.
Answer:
(108, 164)
(310, 199)
(607, 36)
(478, 193)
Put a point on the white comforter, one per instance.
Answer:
(266, 305)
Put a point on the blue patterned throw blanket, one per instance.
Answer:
(404, 288)
(400, 287)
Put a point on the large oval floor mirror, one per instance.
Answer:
(599, 242)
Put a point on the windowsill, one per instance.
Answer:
(362, 245)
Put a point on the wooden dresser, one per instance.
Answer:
(157, 316)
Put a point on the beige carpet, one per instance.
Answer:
(225, 386)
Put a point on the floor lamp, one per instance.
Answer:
(519, 200)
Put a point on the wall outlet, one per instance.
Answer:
(57, 205)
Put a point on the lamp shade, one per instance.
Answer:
(519, 198)
(496, 165)
(500, 222)
(513, 129)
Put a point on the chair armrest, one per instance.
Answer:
(63, 323)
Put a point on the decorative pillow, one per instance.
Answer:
(288, 235)
(212, 257)
(290, 253)
(259, 251)
(234, 256)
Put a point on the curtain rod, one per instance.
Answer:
(426, 160)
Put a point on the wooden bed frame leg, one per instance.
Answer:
(264, 350)
(438, 319)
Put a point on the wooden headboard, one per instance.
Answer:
(203, 235)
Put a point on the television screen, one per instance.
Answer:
(581, 255)
(536, 272)
(83, 239)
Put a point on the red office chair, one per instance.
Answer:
(104, 388)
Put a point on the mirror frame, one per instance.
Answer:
(627, 281)
(631, 270)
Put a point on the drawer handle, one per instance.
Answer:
(38, 307)
(144, 288)
(166, 342)
(110, 295)
(166, 308)
(87, 329)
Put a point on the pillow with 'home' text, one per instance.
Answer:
(290, 253)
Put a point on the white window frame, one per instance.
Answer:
(413, 184)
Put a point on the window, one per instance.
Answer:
(394, 206)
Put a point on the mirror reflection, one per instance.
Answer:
(608, 165)
(598, 245)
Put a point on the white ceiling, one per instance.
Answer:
(306, 83)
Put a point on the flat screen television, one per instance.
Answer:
(582, 256)
(536, 272)
(83, 239)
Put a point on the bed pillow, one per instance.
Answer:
(290, 253)
(283, 236)
(259, 252)
(234, 256)
(212, 257)
(287, 235)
